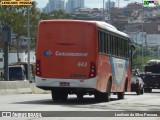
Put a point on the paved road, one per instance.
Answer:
(43, 102)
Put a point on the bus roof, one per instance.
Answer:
(111, 28)
(100, 24)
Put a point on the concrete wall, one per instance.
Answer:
(19, 87)
(14, 87)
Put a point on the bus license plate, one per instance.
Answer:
(64, 84)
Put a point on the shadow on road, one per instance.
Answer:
(155, 91)
(92, 104)
(70, 101)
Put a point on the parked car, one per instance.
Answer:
(17, 72)
(137, 84)
(25, 65)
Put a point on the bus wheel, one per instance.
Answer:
(55, 96)
(80, 96)
(120, 95)
(108, 92)
(63, 97)
(98, 96)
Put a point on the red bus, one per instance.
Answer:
(82, 57)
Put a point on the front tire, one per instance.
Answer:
(138, 89)
(142, 91)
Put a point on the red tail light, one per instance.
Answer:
(38, 68)
(92, 70)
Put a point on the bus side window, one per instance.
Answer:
(120, 47)
(123, 47)
(126, 48)
(103, 43)
(107, 44)
(99, 42)
(116, 46)
(111, 44)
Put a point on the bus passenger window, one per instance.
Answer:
(126, 49)
(122, 43)
(107, 43)
(116, 45)
(103, 43)
(99, 42)
(111, 44)
(120, 47)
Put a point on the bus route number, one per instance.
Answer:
(82, 64)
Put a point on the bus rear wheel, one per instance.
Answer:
(55, 96)
(80, 96)
(63, 97)
(108, 92)
(120, 95)
(59, 96)
(104, 96)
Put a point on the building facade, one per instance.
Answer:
(110, 4)
(71, 5)
(54, 5)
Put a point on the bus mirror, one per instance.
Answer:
(133, 48)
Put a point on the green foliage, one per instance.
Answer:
(58, 14)
(44, 16)
(138, 60)
(34, 20)
(13, 16)
(16, 18)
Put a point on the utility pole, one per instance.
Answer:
(28, 31)
(142, 35)
(103, 12)
(7, 36)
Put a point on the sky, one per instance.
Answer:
(91, 3)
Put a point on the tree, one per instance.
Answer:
(59, 14)
(15, 17)
(137, 59)
(44, 16)
(34, 19)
